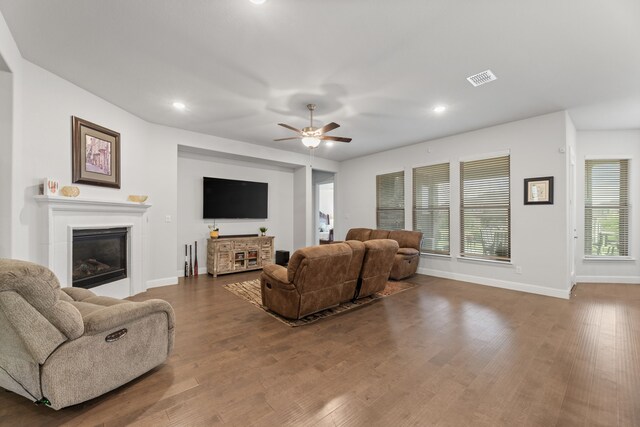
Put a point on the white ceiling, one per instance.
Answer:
(375, 67)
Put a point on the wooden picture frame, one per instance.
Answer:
(538, 191)
(95, 154)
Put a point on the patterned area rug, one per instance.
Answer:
(250, 291)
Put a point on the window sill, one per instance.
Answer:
(486, 261)
(608, 258)
(426, 254)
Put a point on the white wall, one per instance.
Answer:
(571, 157)
(539, 244)
(191, 226)
(13, 62)
(303, 222)
(625, 144)
(6, 148)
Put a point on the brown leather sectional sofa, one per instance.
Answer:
(321, 277)
(408, 256)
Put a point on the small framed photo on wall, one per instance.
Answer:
(538, 191)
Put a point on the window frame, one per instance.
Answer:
(414, 208)
(389, 209)
(463, 235)
(628, 207)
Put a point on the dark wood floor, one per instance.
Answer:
(445, 353)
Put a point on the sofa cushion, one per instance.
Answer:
(408, 252)
(378, 261)
(406, 238)
(361, 234)
(379, 234)
(317, 266)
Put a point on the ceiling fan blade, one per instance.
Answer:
(289, 127)
(286, 139)
(328, 127)
(335, 138)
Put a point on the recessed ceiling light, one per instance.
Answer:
(257, 1)
(439, 109)
(179, 105)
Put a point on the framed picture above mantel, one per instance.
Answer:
(538, 191)
(95, 154)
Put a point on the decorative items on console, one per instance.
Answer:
(214, 231)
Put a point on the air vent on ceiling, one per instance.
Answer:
(482, 78)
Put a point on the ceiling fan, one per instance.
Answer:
(312, 136)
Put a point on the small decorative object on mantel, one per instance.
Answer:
(538, 191)
(50, 187)
(137, 199)
(263, 231)
(96, 154)
(70, 191)
(214, 232)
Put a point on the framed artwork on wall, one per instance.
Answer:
(538, 191)
(95, 154)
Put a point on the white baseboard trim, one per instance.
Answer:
(632, 280)
(201, 272)
(504, 284)
(162, 282)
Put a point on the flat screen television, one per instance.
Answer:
(229, 198)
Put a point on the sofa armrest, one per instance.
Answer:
(114, 316)
(78, 294)
(277, 275)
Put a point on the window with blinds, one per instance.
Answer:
(606, 208)
(390, 201)
(485, 209)
(431, 192)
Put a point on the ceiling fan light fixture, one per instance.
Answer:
(310, 141)
(329, 143)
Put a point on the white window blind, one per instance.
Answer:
(390, 201)
(606, 210)
(431, 192)
(485, 209)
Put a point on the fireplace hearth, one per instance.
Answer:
(99, 256)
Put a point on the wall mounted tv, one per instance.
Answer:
(228, 198)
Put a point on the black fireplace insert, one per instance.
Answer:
(99, 256)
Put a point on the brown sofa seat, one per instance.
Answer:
(408, 256)
(314, 280)
(54, 340)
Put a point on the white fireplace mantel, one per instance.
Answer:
(61, 215)
(74, 203)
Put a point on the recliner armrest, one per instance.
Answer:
(114, 316)
(277, 275)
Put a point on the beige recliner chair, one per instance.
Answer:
(65, 346)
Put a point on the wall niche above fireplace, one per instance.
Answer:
(99, 256)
